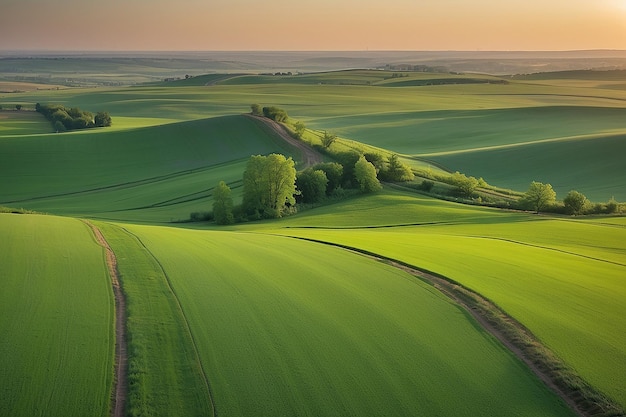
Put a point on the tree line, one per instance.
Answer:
(64, 119)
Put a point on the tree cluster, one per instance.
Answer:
(73, 118)
(275, 113)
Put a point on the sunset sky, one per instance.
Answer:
(212, 25)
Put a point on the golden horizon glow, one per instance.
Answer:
(195, 25)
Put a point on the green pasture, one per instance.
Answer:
(562, 279)
(589, 164)
(14, 122)
(291, 335)
(164, 374)
(56, 319)
(158, 173)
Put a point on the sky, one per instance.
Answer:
(307, 25)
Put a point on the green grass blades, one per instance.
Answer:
(287, 327)
(165, 377)
(56, 319)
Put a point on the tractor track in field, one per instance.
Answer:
(118, 395)
(513, 335)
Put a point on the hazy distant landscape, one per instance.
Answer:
(423, 278)
(106, 68)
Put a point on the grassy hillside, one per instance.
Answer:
(560, 278)
(286, 335)
(442, 122)
(156, 173)
(56, 319)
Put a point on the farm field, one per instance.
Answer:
(464, 126)
(350, 336)
(56, 309)
(267, 316)
(562, 279)
(147, 174)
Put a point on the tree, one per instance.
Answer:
(466, 185)
(102, 119)
(575, 202)
(312, 185)
(365, 174)
(18, 107)
(59, 127)
(539, 196)
(256, 110)
(328, 139)
(275, 113)
(334, 174)
(376, 159)
(300, 128)
(269, 184)
(223, 204)
(397, 171)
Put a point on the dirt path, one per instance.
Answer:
(118, 397)
(508, 331)
(310, 156)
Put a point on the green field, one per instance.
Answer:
(464, 126)
(293, 336)
(56, 319)
(247, 319)
(562, 279)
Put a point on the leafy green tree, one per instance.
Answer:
(59, 126)
(397, 171)
(466, 185)
(348, 161)
(299, 128)
(275, 113)
(269, 184)
(365, 174)
(575, 202)
(328, 139)
(18, 107)
(377, 160)
(312, 185)
(539, 196)
(223, 204)
(102, 119)
(256, 110)
(334, 174)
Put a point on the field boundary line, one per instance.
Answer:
(185, 321)
(532, 245)
(580, 396)
(119, 392)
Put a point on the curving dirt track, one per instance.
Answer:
(118, 397)
(309, 155)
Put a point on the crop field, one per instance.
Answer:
(464, 126)
(271, 317)
(22, 123)
(290, 335)
(147, 174)
(562, 279)
(56, 308)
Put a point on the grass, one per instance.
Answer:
(164, 374)
(14, 122)
(157, 173)
(343, 337)
(56, 319)
(561, 279)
